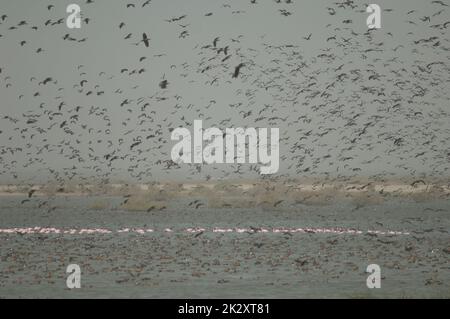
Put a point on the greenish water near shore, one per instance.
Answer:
(260, 265)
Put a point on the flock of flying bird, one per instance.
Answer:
(365, 102)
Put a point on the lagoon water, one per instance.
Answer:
(203, 264)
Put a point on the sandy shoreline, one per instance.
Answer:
(117, 189)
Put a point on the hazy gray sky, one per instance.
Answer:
(347, 102)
